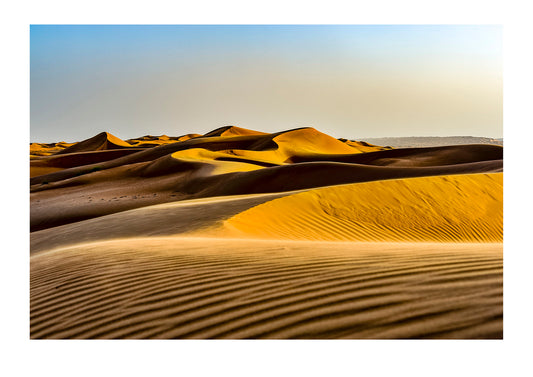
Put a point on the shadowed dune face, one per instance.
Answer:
(233, 131)
(64, 161)
(102, 141)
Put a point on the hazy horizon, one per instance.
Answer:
(349, 81)
(362, 138)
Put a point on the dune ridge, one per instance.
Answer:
(102, 141)
(150, 141)
(233, 131)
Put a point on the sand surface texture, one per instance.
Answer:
(244, 234)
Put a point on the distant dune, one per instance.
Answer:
(244, 234)
(47, 149)
(432, 141)
(233, 131)
(102, 141)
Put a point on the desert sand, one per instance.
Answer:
(245, 234)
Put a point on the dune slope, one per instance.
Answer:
(54, 163)
(455, 208)
(168, 219)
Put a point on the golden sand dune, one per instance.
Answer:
(102, 141)
(455, 208)
(46, 149)
(149, 141)
(84, 185)
(198, 288)
(168, 219)
(169, 179)
(229, 235)
(296, 146)
(276, 148)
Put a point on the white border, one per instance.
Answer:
(366, 358)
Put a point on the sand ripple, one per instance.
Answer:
(454, 208)
(205, 288)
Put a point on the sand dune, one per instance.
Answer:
(460, 208)
(102, 141)
(197, 288)
(113, 190)
(149, 141)
(233, 131)
(244, 234)
(46, 149)
(84, 185)
(296, 146)
(363, 146)
(275, 148)
(413, 157)
(177, 218)
(53, 163)
(457, 208)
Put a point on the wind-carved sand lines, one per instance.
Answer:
(202, 288)
(457, 208)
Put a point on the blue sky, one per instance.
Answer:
(346, 80)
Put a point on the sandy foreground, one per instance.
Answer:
(241, 234)
(168, 287)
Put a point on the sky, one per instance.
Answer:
(350, 81)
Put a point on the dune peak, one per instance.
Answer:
(233, 131)
(101, 141)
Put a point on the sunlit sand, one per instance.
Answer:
(245, 234)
